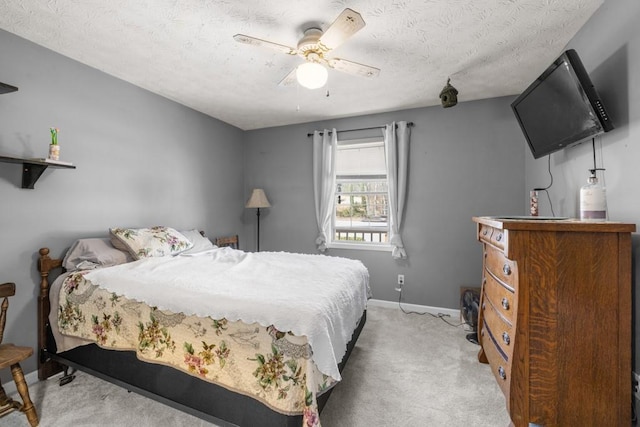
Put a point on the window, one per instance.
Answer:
(354, 172)
(360, 214)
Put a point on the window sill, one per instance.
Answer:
(360, 246)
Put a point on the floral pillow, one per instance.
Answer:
(149, 242)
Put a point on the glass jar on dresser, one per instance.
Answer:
(555, 318)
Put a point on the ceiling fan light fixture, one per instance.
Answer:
(312, 75)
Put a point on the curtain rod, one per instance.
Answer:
(410, 124)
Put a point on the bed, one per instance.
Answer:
(232, 337)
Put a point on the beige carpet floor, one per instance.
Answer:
(406, 370)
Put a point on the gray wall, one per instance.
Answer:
(464, 161)
(141, 160)
(609, 46)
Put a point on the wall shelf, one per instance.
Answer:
(32, 169)
(5, 88)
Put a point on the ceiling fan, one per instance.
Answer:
(314, 47)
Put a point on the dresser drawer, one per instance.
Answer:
(502, 298)
(498, 238)
(501, 329)
(491, 235)
(501, 267)
(500, 367)
(484, 233)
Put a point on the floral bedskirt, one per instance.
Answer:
(272, 366)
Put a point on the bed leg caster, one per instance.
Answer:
(67, 377)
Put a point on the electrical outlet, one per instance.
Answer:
(400, 282)
(636, 385)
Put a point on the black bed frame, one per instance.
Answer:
(164, 384)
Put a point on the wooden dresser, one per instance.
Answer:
(555, 319)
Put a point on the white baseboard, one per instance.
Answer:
(415, 307)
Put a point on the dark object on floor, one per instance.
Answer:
(473, 337)
(469, 308)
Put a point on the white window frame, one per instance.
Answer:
(342, 244)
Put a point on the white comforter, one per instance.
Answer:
(317, 296)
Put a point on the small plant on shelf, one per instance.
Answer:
(54, 148)
(54, 135)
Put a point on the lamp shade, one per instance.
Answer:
(312, 75)
(258, 199)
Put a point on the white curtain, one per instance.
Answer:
(396, 143)
(324, 154)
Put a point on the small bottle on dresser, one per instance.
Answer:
(593, 200)
(533, 202)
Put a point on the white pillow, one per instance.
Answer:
(200, 243)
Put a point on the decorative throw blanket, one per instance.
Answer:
(316, 296)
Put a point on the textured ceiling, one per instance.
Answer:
(184, 50)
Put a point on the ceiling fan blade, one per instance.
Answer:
(241, 38)
(346, 24)
(354, 68)
(289, 79)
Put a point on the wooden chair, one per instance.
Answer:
(11, 356)
(231, 241)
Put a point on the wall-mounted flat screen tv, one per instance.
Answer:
(561, 107)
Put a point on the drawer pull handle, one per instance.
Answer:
(502, 373)
(505, 303)
(484, 306)
(506, 338)
(499, 237)
(485, 232)
(506, 269)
